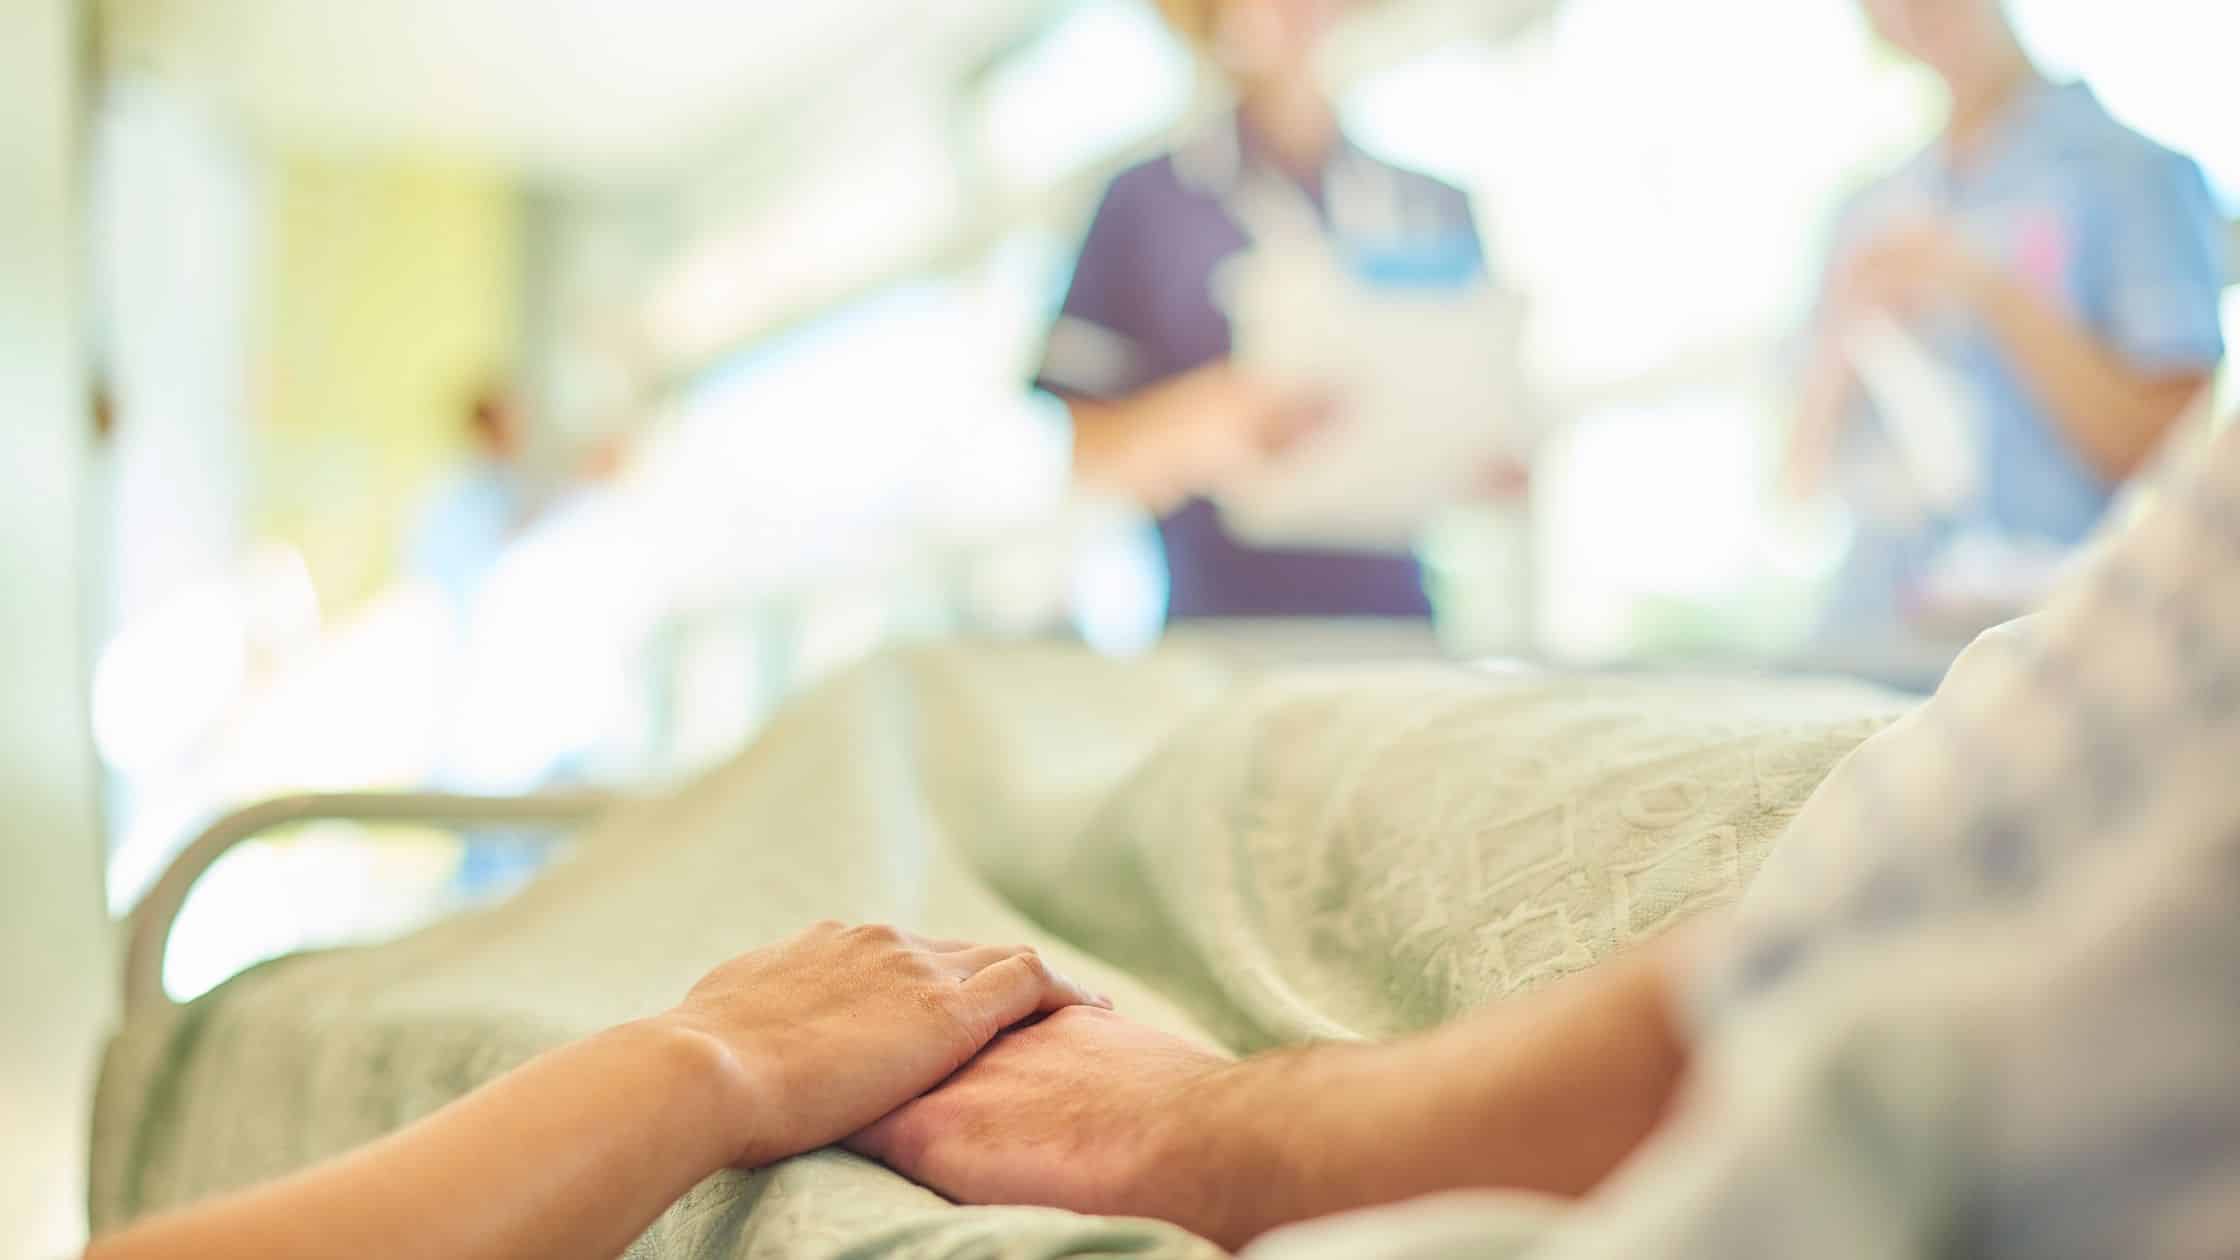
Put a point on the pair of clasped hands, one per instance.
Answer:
(893, 1043)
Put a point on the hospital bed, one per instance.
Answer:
(1237, 854)
(148, 929)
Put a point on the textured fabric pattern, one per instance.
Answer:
(1983, 1002)
(1251, 860)
(1350, 853)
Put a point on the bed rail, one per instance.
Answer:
(149, 926)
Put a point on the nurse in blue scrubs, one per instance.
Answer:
(1140, 353)
(2064, 270)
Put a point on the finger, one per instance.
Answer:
(912, 940)
(1020, 986)
(1297, 422)
(917, 941)
(876, 1140)
(947, 945)
(978, 958)
(900, 1139)
(972, 962)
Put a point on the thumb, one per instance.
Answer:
(880, 1139)
(1298, 418)
(1004, 993)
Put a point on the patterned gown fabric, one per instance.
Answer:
(1244, 858)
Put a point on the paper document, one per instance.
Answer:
(1425, 385)
(1925, 408)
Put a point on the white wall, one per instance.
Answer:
(169, 231)
(54, 967)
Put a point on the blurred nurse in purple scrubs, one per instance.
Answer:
(1140, 353)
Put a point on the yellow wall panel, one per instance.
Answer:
(393, 291)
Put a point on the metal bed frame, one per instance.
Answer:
(149, 925)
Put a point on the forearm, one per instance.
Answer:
(1548, 1094)
(1099, 461)
(1827, 393)
(570, 1157)
(2113, 412)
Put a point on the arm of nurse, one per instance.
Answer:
(1190, 435)
(2112, 379)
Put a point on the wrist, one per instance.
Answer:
(1208, 1166)
(1264, 1143)
(1096, 456)
(1114, 453)
(719, 1098)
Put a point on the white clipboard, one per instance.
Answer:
(1925, 408)
(1425, 383)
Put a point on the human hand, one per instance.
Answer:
(1090, 1112)
(1911, 269)
(1504, 479)
(1193, 434)
(824, 1033)
(1085, 1110)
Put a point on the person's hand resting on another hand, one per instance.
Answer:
(1088, 1111)
(569, 1157)
(1085, 1110)
(1194, 434)
(820, 1035)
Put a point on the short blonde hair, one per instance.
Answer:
(1194, 20)
(1198, 22)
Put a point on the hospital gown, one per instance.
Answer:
(1985, 1000)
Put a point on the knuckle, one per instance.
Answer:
(966, 1015)
(979, 1028)
(1078, 1015)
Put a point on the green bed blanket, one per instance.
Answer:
(1248, 859)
